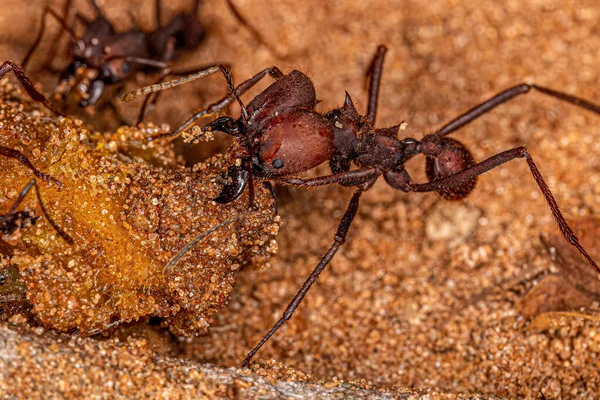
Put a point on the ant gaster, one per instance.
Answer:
(101, 56)
(281, 134)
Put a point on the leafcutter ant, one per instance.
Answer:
(103, 56)
(280, 134)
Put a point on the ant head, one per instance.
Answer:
(116, 70)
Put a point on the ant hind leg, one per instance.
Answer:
(475, 170)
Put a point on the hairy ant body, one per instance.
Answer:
(102, 56)
(280, 134)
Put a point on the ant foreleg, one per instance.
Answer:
(374, 75)
(8, 66)
(493, 162)
(17, 155)
(506, 96)
(338, 241)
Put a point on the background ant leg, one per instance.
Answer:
(495, 161)
(253, 31)
(97, 9)
(40, 35)
(158, 14)
(374, 75)
(17, 155)
(338, 241)
(215, 107)
(507, 95)
(24, 192)
(8, 66)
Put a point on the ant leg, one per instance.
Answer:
(338, 241)
(149, 104)
(374, 75)
(38, 39)
(351, 178)
(196, 8)
(17, 155)
(8, 66)
(97, 9)
(495, 161)
(19, 199)
(507, 95)
(211, 109)
(158, 14)
(253, 31)
(24, 192)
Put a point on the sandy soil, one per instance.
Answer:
(426, 292)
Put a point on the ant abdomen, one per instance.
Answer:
(445, 157)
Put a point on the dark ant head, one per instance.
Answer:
(116, 70)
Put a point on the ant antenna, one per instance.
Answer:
(171, 264)
(229, 81)
(170, 84)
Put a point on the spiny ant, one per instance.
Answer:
(102, 56)
(280, 134)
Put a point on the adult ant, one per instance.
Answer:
(280, 134)
(102, 56)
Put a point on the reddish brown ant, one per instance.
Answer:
(102, 56)
(281, 134)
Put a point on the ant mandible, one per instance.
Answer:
(280, 134)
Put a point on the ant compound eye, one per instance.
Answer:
(277, 163)
(126, 68)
